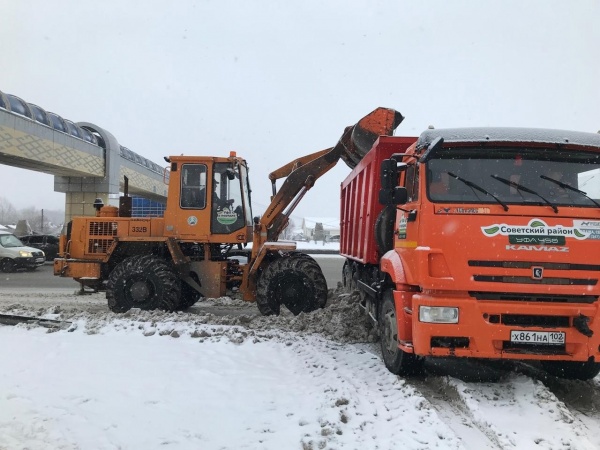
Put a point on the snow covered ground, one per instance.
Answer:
(236, 380)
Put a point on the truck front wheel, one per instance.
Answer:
(144, 282)
(396, 360)
(295, 281)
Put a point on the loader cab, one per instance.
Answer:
(209, 200)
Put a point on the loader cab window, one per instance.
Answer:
(193, 186)
(227, 199)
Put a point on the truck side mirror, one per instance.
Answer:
(396, 196)
(389, 173)
(390, 168)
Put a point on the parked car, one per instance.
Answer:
(45, 242)
(14, 254)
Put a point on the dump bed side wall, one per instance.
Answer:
(360, 200)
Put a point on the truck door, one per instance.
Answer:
(406, 221)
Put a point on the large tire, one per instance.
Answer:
(322, 299)
(295, 281)
(144, 282)
(572, 370)
(189, 296)
(384, 229)
(8, 265)
(396, 360)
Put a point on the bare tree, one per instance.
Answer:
(33, 216)
(8, 213)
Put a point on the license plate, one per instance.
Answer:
(537, 337)
(37, 260)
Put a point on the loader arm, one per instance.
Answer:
(302, 173)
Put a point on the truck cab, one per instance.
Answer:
(485, 248)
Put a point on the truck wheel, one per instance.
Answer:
(384, 229)
(295, 281)
(8, 265)
(144, 282)
(396, 360)
(189, 296)
(572, 370)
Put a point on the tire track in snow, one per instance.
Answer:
(368, 406)
(523, 413)
(581, 398)
(474, 434)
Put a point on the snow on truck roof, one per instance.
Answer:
(507, 135)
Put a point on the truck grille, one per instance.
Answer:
(530, 264)
(524, 279)
(529, 280)
(526, 320)
(527, 297)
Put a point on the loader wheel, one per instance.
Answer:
(322, 301)
(144, 282)
(295, 281)
(572, 370)
(396, 360)
(189, 296)
(384, 229)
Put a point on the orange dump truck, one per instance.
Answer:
(479, 242)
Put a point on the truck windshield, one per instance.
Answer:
(564, 177)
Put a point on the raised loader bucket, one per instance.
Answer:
(358, 139)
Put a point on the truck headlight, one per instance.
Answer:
(25, 254)
(438, 314)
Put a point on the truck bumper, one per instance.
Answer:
(484, 329)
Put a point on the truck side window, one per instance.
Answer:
(411, 182)
(193, 186)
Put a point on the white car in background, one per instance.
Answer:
(14, 254)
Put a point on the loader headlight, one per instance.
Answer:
(438, 314)
(25, 254)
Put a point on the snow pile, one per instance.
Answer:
(341, 320)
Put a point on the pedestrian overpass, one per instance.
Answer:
(86, 160)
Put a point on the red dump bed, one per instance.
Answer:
(360, 200)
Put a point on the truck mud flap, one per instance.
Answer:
(11, 319)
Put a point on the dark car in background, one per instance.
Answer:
(46, 242)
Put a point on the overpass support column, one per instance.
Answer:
(81, 192)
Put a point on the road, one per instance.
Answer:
(43, 277)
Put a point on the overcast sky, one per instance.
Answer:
(276, 80)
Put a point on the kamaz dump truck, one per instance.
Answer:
(479, 242)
